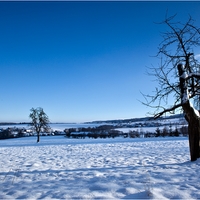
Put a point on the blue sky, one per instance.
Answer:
(80, 61)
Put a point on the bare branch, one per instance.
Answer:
(167, 110)
(176, 48)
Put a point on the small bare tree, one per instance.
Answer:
(40, 121)
(178, 77)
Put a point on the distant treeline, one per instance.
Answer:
(12, 123)
(103, 131)
(108, 131)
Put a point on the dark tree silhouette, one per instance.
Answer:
(178, 77)
(40, 121)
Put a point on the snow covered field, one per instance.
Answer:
(155, 168)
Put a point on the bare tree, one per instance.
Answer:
(178, 77)
(39, 121)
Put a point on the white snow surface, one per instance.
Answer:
(121, 168)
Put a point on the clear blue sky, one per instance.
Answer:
(80, 61)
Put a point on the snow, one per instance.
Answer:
(195, 110)
(61, 168)
(184, 75)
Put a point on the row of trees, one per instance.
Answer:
(100, 132)
(104, 131)
(168, 132)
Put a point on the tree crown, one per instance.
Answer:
(39, 119)
(177, 48)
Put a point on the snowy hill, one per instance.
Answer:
(135, 120)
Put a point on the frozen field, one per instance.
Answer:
(118, 168)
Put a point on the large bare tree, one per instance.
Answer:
(178, 77)
(39, 121)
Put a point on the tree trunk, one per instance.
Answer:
(38, 137)
(193, 131)
(194, 141)
(191, 116)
